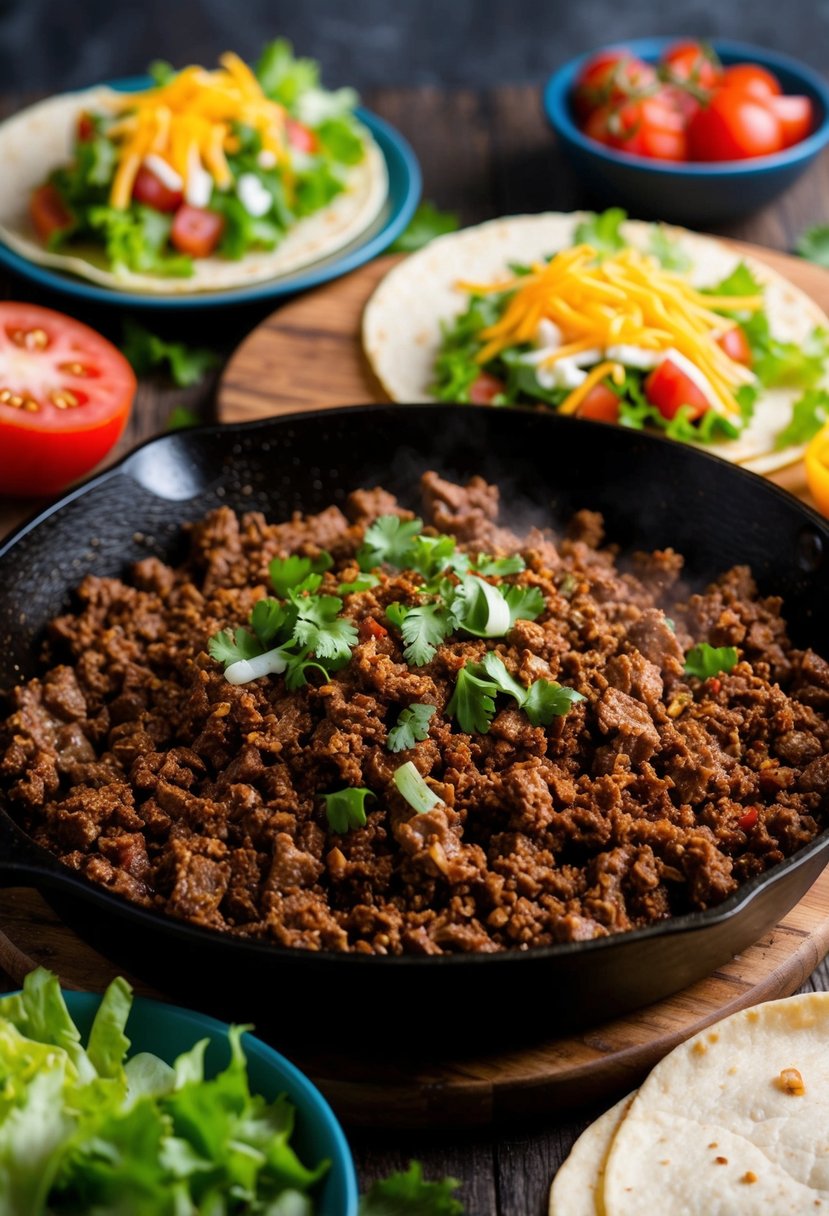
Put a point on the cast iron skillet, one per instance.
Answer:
(653, 493)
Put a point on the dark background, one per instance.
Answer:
(48, 45)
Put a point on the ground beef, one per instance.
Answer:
(135, 761)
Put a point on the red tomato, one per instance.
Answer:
(749, 819)
(733, 126)
(601, 404)
(611, 76)
(196, 231)
(669, 388)
(597, 125)
(86, 127)
(48, 211)
(796, 116)
(735, 344)
(649, 126)
(692, 63)
(484, 387)
(65, 396)
(300, 137)
(752, 79)
(151, 190)
(369, 628)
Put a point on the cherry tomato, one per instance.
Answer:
(85, 129)
(601, 404)
(196, 231)
(152, 191)
(669, 388)
(484, 387)
(65, 395)
(48, 211)
(796, 116)
(735, 344)
(611, 76)
(300, 137)
(752, 79)
(649, 126)
(733, 126)
(692, 63)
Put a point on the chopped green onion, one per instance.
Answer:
(414, 789)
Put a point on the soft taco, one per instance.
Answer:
(610, 319)
(206, 181)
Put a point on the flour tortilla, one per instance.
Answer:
(578, 1187)
(40, 139)
(713, 1131)
(402, 321)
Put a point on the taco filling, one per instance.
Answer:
(262, 168)
(618, 324)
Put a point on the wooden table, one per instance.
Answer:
(483, 154)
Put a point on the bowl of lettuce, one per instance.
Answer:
(114, 1105)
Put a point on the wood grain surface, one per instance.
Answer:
(483, 153)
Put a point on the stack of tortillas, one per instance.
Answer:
(734, 1121)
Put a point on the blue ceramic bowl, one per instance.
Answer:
(167, 1031)
(694, 193)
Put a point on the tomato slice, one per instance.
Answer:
(735, 344)
(152, 191)
(65, 396)
(484, 388)
(601, 404)
(752, 79)
(734, 125)
(796, 116)
(48, 211)
(196, 231)
(669, 388)
(300, 136)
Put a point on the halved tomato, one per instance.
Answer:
(669, 388)
(65, 396)
(48, 211)
(735, 344)
(196, 231)
(601, 404)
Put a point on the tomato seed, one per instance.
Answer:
(31, 339)
(31, 405)
(16, 401)
(5, 396)
(74, 369)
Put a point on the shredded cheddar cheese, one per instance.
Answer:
(626, 299)
(189, 122)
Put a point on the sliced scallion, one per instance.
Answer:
(414, 789)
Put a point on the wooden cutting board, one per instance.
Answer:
(307, 355)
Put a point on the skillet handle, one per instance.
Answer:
(22, 863)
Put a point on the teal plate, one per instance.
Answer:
(167, 1031)
(404, 194)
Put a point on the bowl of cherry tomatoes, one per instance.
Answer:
(679, 130)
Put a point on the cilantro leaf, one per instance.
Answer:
(387, 541)
(430, 555)
(524, 603)
(423, 629)
(813, 244)
(546, 700)
(287, 573)
(667, 250)
(320, 629)
(493, 667)
(412, 727)
(479, 608)
(473, 702)
(704, 661)
(407, 1194)
(187, 365)
(363, 583)
(267, 618)
(346, 809)
(499, 567)
(229, 647)
(602, 230)
(809, 414)
(296, 667)
(426, 223)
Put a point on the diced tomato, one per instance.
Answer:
(611, 77)
(196, 231)
(749, 819)
(693, 63)
(484, 388)
(85, 129)
(734, 125)
(752, 79)
(150, 190)
(369, 628)
(713, 684)
(48, 211)
(796, 116)
(300, 136)
(649, 126)
(735, 344)
(601, 404)
(669, 388)
(65, 396)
